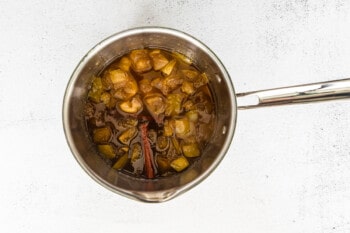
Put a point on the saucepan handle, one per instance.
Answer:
(322, 91)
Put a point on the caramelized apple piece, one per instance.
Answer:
(160, 85)
(136, 152)
(176, 145)
(137, 160)
(190, 74)
(192, 115)
(163, 164)
(105, 98)
(191, 150)
(167, 129)
(187, 87)
(126, 136)
(201, 80)
(96, 90)
(182, 126)
(131, 106)
(155, 104)
(158, 59)
(107, 150)
(172, 82)
(140, 60)
(179, 164)
(118, 77)
(125, 123)
(184, 129)
(167, 84)
(121, 162)
(183, 58)
(174, 104)
(124, 85)
(124, 63)
(106, 82)
(162, 143)
(166, 70)
(102, 135)
(145, 86)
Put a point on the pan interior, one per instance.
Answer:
(106, 52)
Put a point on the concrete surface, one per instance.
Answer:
(288, 169)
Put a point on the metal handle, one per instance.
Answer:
(331, 90)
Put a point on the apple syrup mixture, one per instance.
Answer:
(150, 113)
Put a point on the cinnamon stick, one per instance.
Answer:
(147, 151)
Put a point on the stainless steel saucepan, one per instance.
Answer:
(162, 189)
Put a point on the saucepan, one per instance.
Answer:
(225, 98)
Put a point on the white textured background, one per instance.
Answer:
(288, 169)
